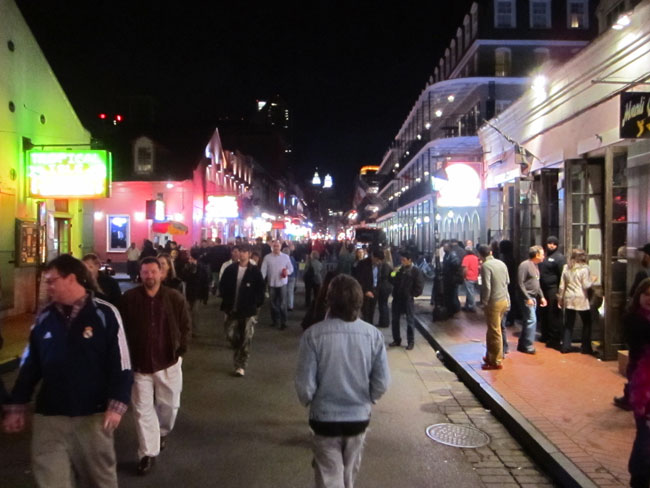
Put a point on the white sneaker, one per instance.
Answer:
(239, 372)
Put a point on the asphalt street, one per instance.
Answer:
(252, 432)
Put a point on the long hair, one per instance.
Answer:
(635, 304)
(170, 262)
(344, 298)
(578, 258)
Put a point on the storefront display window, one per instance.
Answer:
(118, 235)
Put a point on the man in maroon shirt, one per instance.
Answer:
(157, 324)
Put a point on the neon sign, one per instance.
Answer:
(224, 207)
(462, 189)
(68, 174)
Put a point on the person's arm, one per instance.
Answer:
(260, 287)
(184, 325)
(562, 288)
(380, 372)
(522, 274)
(289, 266)
(120, 374)
(265, 266)
(305, 380)
(486, 284)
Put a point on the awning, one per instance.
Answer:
(169, 227)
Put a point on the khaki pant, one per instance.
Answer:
(337, 460)
(73, 451)
(494, 313)
(239, 332)
(156, 399)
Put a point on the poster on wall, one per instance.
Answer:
(118, 233)
(635, 115)
(27, 243)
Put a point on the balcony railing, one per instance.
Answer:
(419, 190)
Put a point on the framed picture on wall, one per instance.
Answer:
(118, 233)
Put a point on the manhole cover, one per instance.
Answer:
(458, 435)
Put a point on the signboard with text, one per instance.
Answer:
(634, 121)
(68, 174)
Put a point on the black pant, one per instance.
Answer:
(368, 308)
(382, 305)
(311, 287)
(639, 465)
(569, 322)
(551, 318)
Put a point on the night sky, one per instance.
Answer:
(350, 71)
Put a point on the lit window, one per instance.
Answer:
(577, 17)
(502, 61)
(504, 14)
(542, 55)
(540, 14)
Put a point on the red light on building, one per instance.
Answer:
(118, 118)
(102, 116)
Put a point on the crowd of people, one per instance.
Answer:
(95, 351)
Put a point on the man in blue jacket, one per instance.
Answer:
(77, 350)
(342, 371)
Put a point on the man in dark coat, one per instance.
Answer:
(242, 289)
(550, 272)
(373, 274)
(452, 276)
(408, 283)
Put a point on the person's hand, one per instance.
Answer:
(560, 303)
(530, 302)
(543, 302)
(111, 420)
(13, 422)
(369, 294)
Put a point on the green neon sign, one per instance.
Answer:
(69, 174)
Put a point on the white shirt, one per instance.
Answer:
(272, 267)
(132, 254)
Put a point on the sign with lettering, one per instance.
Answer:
(635, 115)
(68, 174)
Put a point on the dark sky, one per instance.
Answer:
(350, 71)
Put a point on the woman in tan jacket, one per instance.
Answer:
(572, 296)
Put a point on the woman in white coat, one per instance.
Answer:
(572, 296)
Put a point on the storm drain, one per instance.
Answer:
(458, 435)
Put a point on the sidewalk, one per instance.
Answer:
(558, 405)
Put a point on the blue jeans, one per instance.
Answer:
(470, 295)
(408, 310)
(528, 327)
(278, 304)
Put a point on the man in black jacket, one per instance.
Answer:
(408, 283)
(242, 290)
(550, 272)
(373, 274)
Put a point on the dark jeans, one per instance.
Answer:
(569, 322)
(368, 309)
(639, 465)
(132, 269)
(278, 304)
(408, 310)
(551, 318)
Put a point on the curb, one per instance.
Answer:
(555, 463)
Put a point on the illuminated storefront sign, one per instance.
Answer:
(68, 174)
(635, 115)
(461, 189)
(224, 207)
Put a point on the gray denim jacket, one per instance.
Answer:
(342, 370)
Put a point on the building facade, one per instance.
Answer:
(38, 220)
(585, 127)
(434, 166)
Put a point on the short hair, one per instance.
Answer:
(65, 265)
(195, 253)
(92, 257)
(244, 248)
(149, 260)
(344, 298)
(484, 251)
(406, 254)
(379, 254)
(533, 251)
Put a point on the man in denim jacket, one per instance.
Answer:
(342, 371)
